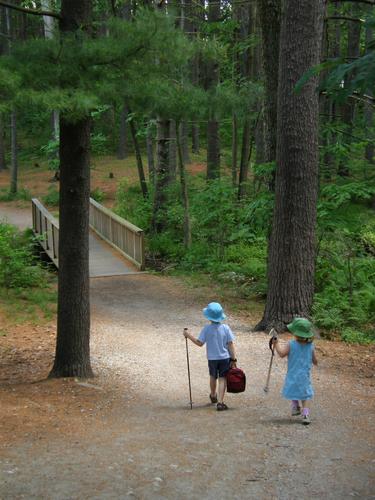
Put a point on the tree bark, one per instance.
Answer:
(234, 149)
(244, 165)
(172, 151)
(2, 145)
(14, 153)
(158, 221)
(138, 155)
(212, 79)
(291, 257)
(184, 192)
(122, 143)
(72, 357)
(269, 15)
(368, 109)
(150, 155)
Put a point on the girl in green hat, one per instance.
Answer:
(301, 355)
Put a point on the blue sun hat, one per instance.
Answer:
(214, 312)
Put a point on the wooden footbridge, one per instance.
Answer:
(116, 245)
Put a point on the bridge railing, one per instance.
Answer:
(121, 234)
(118, 232)
(46, 226)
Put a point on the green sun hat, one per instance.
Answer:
(301, 327)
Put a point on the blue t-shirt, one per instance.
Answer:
(216, 337)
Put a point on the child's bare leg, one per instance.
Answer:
(222, 388)
(213, 386)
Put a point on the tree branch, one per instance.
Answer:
(34, 12)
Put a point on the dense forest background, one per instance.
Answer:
(187, 93)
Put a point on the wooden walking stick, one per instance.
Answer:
(188, 367)
(272, 347)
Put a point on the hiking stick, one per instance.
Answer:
(188, 367)
(272, 347)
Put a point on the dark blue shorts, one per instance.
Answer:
(218, 367)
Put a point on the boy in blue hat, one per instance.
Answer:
(301, 355)
(221, 354)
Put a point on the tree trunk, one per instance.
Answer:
(172, 151)
(269, 15)
(122, 143)
(73, 320)
(213, 150)
(244, 164)
(212, 79)
(291, 257)
(234, 149)
(138, 155)
(14, 152)
(195, 147)
(184, 192)
(150, 155)
(348, 108)
(2, 145)
(158, 222)
(184, 139)
(369, 110)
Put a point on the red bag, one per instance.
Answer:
(236, 380)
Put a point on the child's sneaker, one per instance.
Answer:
(296, 410)
(221, 407)
(305, 416)
(306, 419)
(213, 398)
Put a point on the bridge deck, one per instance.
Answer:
(104, 259)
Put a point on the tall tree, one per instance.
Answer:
(269, 15)
(73, 321)
(291, 255)
(212, 79)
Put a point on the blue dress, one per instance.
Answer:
(297, 383)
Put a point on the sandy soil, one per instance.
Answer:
(130, 432)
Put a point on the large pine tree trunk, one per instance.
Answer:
(73, 319)
(269, 15)
(292, 244)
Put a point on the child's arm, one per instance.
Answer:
(282, 351)
(232, 352)
(193, 339)
(314, 358)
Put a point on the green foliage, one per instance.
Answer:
(358, 337)
(17, 266)
(51, 152)
(98, 195)
(52, 198)
(21, 194)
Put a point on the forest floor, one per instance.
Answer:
(130, 433)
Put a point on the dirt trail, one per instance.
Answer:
(130, 432)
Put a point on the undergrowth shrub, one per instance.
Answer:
(21, 194)
(17, 266)
(52, 197)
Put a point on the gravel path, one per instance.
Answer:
(142, 441)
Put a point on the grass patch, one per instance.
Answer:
(30, 305)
